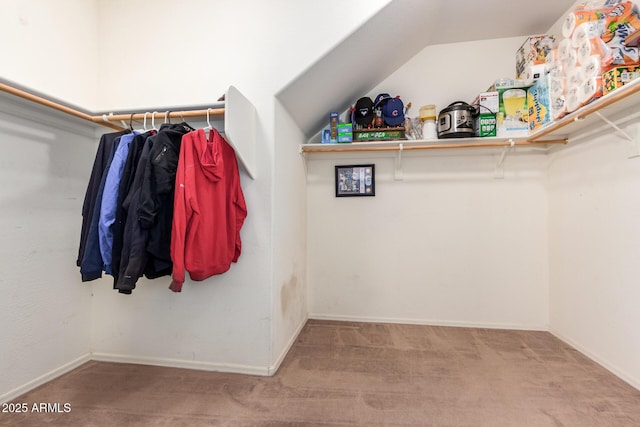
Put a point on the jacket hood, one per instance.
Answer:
(173, 132)
(209, 154)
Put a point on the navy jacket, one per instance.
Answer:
(91, 265)
(105, 148)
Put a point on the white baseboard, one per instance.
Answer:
(274, 368)
(178, 363)
(429, 322)
(10, 395)
(633, 382)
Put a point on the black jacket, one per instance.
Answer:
(133, 256)
(146, 212)
(156, 199)
(126, 182)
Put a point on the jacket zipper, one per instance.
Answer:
(164, 149)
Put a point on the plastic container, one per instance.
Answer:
(429, 130)
(428, 119)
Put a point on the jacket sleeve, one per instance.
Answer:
(109, 202)
(182, 212)
(241, 213)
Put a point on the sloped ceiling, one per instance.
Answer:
(397, 33)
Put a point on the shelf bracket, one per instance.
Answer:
(498, 173)
(398, 163)
(615, 126)
(304, 160)
(625, 135)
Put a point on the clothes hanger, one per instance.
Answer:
(208, 121)
(153, 121)
(131, 122)
(166, 117)
(144, 122)
(209, 128)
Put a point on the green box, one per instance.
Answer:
(486, 125)
(378, 135)
(344, 128)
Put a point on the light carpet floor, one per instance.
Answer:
(346, 373)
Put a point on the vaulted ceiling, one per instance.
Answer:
(394, 35)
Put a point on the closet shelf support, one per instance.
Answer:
(499, 170)
(304, 161)
(398, 175)
(622, 133)
(635, 141)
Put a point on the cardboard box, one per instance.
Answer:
(544, 106)
(533, 51)
(486, 125)
(344, 128)
(488, 104)
(618, 77)
(326, 136)
(539, 103)
(378, 134)
(345, 132)
(333, 126)
(513, 111)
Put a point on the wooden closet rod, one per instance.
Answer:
(106, 119)
(160, 115)
(42, 101)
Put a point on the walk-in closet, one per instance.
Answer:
(482, 281)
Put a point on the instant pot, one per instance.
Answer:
(457, 121)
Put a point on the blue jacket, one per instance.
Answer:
(110, 199)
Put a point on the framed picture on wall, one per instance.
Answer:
(355, 180)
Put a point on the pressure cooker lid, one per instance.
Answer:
(459, 106)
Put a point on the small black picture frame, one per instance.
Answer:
(355, 180)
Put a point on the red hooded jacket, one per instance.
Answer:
(209, 208)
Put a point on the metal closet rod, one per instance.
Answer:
(106, 119)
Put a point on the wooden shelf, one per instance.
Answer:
(633, 39)
(437, 144)
(622, 102)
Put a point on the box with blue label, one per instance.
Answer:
(539, 104)
(345, 132)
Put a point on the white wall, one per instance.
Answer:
(290, 222)
(178, 53)
(195, 49)
(594, 238)
(445, 73)
(449, 244)
(45, 310)
(244, 319)
(50, 47)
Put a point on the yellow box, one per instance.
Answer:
(618, 77)
(513, 111)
